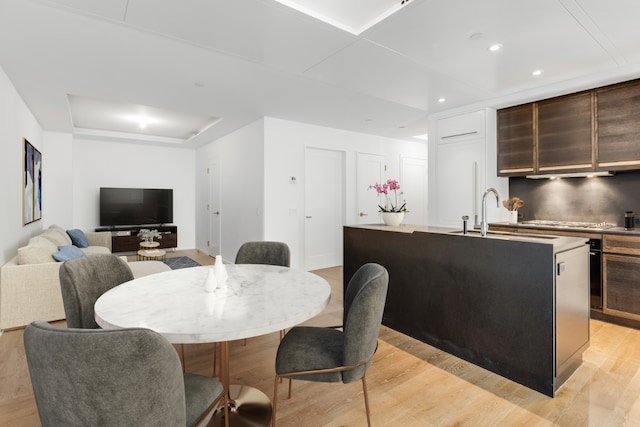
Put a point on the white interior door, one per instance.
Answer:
(213, 211)
(324, 208)
(414, 189)
(369, 170)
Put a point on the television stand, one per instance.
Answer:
(125, 239)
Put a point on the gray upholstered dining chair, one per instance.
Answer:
(115, 377)
(83, 280)
(264, 252)
(271, 253)
(330, 355)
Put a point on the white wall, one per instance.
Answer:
(16, 123)
(114, 164)
(240, 156)
(285, 144)
(57, 170)
(257, 162)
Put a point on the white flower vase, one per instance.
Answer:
(210, 283)
(392, 218)
(221, 272)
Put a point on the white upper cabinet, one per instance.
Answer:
(462, 127)
(462, 167)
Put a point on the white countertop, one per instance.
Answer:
(259, 299)
(560, 243)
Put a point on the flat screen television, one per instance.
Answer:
(135, 206)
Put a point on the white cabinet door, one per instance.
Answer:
(459, 182)
(462, 127)
(414, 189)
(369, 170)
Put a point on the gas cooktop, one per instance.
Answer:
(568, 224)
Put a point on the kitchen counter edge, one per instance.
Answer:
(560, 243)
(613, 230)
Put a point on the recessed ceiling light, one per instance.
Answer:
(495, 47)
(441, 100)
(142, 124)
(537, 72)
(475, 36)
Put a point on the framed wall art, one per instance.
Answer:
(32, 184)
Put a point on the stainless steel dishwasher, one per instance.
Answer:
(572, 305)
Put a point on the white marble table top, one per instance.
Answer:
(259, 299)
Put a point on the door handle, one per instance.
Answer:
(216, 213)
(363, 214)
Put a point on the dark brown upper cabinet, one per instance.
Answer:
(618, 117)
(516, 140)
(595, 130)
(566, 132)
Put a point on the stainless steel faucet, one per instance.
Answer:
(483, 223)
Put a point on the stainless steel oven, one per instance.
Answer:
(595, 264)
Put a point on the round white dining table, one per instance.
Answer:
(257, 300)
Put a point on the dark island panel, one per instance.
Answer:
(487, 301)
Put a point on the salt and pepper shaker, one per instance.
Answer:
(629, 219)
(221, 272)
(210, 283)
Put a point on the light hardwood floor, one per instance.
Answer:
(410, 383)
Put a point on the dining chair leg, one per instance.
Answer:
(182, 362)
(215, 356)
(366, 399)
(282, 332)
(290, 380)
(224, 378)
(275, 401)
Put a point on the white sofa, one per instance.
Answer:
(30, 282)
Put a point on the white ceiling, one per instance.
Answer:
(245, 59)
(354, 16)
(125, 121)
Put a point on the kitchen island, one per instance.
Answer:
(516, 305)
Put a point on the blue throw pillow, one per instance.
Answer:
(65, 253)
(78, 238)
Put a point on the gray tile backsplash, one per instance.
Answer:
(579, 199)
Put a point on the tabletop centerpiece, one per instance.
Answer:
(148, 236)
(392, 211)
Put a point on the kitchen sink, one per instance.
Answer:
(507, 235)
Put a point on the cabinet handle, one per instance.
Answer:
(560, 267)
(363, 214)
(216, 213)
(308, 217)
(473, 132)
